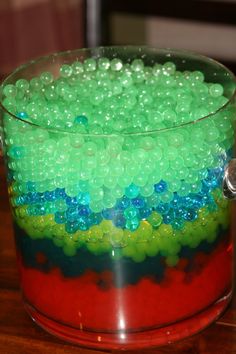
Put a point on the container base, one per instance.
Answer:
(135, 340)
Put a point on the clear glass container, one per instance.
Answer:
(116, 158)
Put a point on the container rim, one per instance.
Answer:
(169, 52)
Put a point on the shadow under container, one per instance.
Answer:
(123, 239)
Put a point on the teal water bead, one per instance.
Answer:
(90, 64)
(103, 63)
(132, 191)
(137, 65)
(116, 64)
(46, 78)
(66, 70)
(216, 90)
(10, 90)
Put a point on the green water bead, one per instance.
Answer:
(77, 68)
(168, 68)
(155, 219)
(144, 231)
(22, 85)
(46, 78)
(66, 70)
(103, 64)
(137, 65)
(216, 90)
(10, 90)
(116, 64)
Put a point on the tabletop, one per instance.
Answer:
(20, 335)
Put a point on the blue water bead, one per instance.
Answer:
(60, 193)
(83, 120)
(119, 220)
(83, 198)
(50, 196)
(123, 203)
(132, 224)
(138, 202)
(84, 210)
(190, 215)
(132, 191)
(94, 219)
(72, 214)
(71, 201)
(60, 217)
(163, 208)
(109, 213)
(160, 187)
(145, 212)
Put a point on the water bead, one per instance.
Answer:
(90, 64)
(77, 68)
(10, 90)
(168, 68)
(147, 190)
(46, 78)
(116, 64)
(132, 191)
(132, 224)
(160, 187)
(22, 84)
(137, 65)
(103, 64)
(155, 219)
(66, 70)
(216, 90)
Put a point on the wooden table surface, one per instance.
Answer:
(20, 335)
